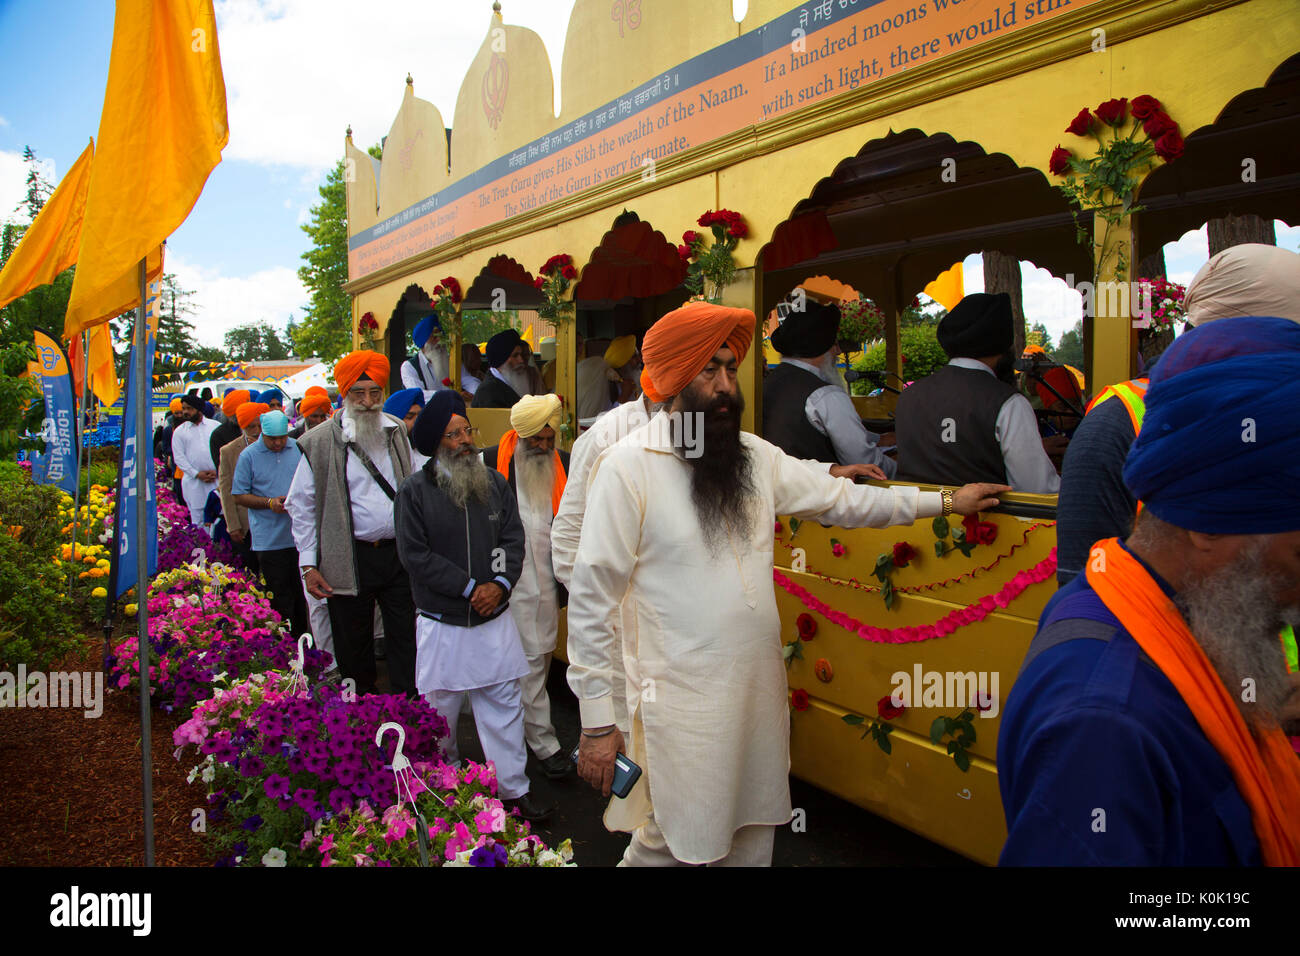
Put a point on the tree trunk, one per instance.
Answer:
(1235, 230)
(1002, 274)
(1152, 266)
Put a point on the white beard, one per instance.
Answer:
(518, 379)
(535, 475)
(439, 360)
(364, 427)
(830, 373)
(463, 478)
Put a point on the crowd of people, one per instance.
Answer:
(382, 527)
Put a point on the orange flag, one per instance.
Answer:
(948, 288)
(160, 135)
(50, 244)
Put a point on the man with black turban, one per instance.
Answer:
(966, 421)
(505, 354)
(806, 412)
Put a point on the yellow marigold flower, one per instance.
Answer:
(131, 610)
(99, 592)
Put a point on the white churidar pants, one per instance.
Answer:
(499, 716)
(750, 846)
(539, 732)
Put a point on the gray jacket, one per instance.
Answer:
(325, 451)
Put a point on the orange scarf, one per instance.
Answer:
(1266, 770)
(506, 451)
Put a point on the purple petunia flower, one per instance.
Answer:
(492, 854)
(277, 786)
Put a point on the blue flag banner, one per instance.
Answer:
(57, 464)
(135, 469)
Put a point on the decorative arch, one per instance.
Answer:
(412, 305)
(505, 274)
(632, 261)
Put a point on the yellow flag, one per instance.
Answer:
(103, 373)
(948, 288)
(50, 244)
(160, 135)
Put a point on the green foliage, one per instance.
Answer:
(36, 617)
(922, 354)
(21, 405)
(1069, 351)
(45, 306)
(1038, 335)
(860, 321)
(962, 730)
(254, 342)
(878, 729)
(325, 329)
(479, 325)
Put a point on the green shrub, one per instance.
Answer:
(922, 354)
(37, 626)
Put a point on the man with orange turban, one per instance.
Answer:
(248, 415)
(228, 429)
(679, 525)
(314, 408)
(526, 456)
(341, 505)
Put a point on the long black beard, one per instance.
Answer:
(1006, 368)
(722, 480)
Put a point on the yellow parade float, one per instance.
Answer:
(870, 146)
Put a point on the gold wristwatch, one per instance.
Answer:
(946, 495)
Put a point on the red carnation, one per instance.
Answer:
(453, 289)
(1059, 163)
(1081, 125)
(799, 699)
(1157, 124)
(684, 251)
(903, 554)
(738, 229)
(1112, 112)
(887, 709)
(539, 282)
(986, 532)
(690, 237)
(1143, 106)
(569, 272)
(707, 219)
(1170, 146)
(437, 290)
(807, 626)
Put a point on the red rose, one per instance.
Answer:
(539, 282)
(779, 529)
(437, 290)
(738, 229)
(1157, 124)
(1059, 164)
(807, 626)
(837, 550)
(707, 219)
(447, 382)
(690, 236)
(453, 289)
(1081, 125)
(1170, 146)
(1143, 106)
(986, 532)
(1112, 112)
(903, 554)
(569, 272)
(887, 709)
(971, 524)
(684, 252)
(799, 699)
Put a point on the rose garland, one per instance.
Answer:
(710, 268)
(1107, 183)
(946, 625)
(446, 301)
(553, 281)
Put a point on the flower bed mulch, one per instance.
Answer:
(70, 785)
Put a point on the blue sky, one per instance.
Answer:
(295, 80)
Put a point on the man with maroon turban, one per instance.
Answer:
(684, 509)
(341, 503)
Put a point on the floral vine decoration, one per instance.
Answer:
(1106, 183)
(553, 281)
(900, 557)
(962, 730)
(565, 431)
(710, 267)
(806, 625)
(446, 303)
(879, 728)
(1166, 299)
(367, 327)
(965, 537)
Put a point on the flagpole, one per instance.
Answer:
(78, 438)
(143, 413)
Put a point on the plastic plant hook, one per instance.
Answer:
(402, 773)
(298, 678)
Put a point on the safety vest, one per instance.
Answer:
(1134, 396)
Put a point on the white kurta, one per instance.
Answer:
(453, 658)
(702, 650)
(533, 602)
(191, 447)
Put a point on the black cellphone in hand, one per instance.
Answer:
(626, 774)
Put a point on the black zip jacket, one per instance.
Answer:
(448, 551)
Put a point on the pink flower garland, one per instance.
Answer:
(946, 625)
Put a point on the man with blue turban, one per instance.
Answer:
(1147, 724)
(273, 398)
(430, 364)
(407, 405)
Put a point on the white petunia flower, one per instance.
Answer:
(274, 857)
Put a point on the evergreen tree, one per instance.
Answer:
(45, 306)
(1069, 351)
(254, 342)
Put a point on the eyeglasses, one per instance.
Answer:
(365, 393)
(469, 432)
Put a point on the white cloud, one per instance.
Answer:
(3, 122)
(296, 77)
(13, 184)
(268, 296)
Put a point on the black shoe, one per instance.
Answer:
(557, 766)
(529, 808)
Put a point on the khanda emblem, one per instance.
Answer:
(496, 83)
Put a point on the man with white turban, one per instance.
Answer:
(192, 449)
(527, 459)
